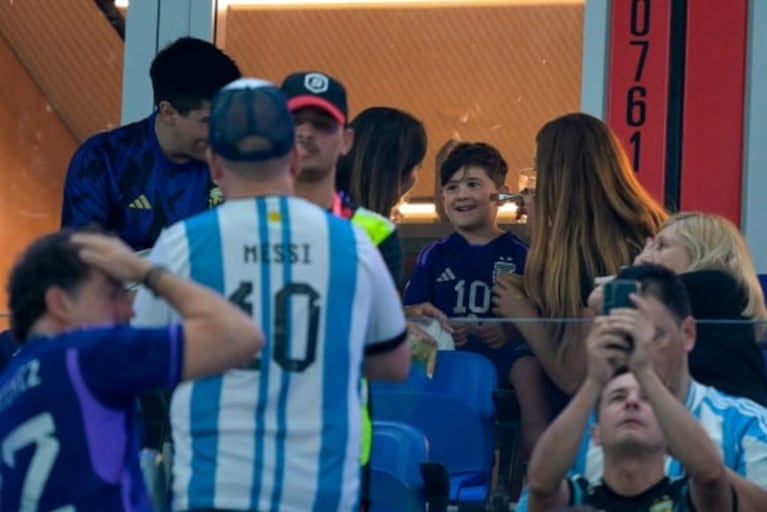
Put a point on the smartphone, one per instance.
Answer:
(616, 294)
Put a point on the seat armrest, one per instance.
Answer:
(436, 486)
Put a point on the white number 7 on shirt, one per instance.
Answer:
(39, 430)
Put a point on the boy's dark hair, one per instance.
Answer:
(50, 261)
(477, 154)
(663, 284)
(190, 71)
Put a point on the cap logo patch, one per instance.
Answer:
(316, 83)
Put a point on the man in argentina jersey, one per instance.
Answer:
(142, 177)
(737, 425)
(321, 120)
(67, 421)
(282, 433)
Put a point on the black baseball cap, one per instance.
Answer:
(250, 121)
(316, 89)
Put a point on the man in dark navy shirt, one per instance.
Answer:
(139, 178)
(67, 399)
(7, 347)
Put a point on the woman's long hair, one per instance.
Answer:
(388, 144)
(592, 216)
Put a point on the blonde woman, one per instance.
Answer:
(590, 217)
(712, 258)
(692, 241)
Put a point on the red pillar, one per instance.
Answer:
(675, 97)
(714, 87)
(637, 91)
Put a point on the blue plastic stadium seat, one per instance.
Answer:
(390, 493)
(398, 451)
(455, 411)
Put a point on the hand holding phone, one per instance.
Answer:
(616, 295)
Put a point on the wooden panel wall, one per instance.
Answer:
(486, 72)
(35, 148)
(73, 55)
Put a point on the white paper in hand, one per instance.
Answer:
(434, 328)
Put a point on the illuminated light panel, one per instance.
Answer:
(223, 4)
(391, 3)
(427, 210)
(417, 209)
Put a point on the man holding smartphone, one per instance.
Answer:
(617, 294)
(737, 426)
(639, 420)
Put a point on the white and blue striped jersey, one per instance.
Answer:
(284, 433)
(738, 426)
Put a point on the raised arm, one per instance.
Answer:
(687, 440)
(217, 334)
(557, 448)
(566, 366)
(751, 497)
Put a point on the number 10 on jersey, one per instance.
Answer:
(290, 296)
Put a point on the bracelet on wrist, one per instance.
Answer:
(150, 279)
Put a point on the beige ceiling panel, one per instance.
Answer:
(494, 73)
(74, 56)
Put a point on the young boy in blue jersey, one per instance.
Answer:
(140, 178)
(67, 399)
(664, 324)
(454, 277)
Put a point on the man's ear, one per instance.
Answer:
(348, 141)
(503, 189)
(690, 331)
(214, 165)
(295, 163)
(167, 112)
(57, 304)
